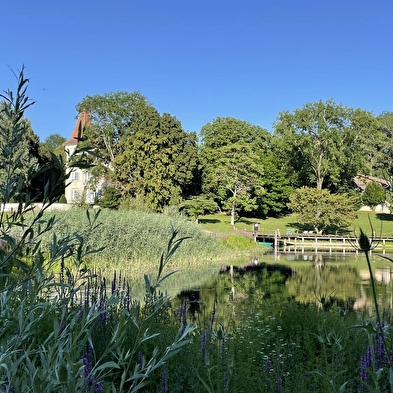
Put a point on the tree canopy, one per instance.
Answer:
(324, 142)
(319, 209)
(142, 153)
(231, 161)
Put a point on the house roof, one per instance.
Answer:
(362, 180)
(77, 133)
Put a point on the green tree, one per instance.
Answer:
(324, 142)
(50, 152)
(319, 209)
(111, 117)
(383, 162)
(276, 188)
(239, 177)
(232, 168)
(198, 205)
(54, 143)
(158, 160)
(373, 194)
(110, 198)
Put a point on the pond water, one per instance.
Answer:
(332, 278)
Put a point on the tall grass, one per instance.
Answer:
(133, 241)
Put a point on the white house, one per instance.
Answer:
(78, 188)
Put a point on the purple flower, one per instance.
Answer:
(140, 360)
(164, 388)
(223, 343)
(268, 366)
(279, 384)
(226, 382)
(203, 342)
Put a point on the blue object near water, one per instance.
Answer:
(266, 244)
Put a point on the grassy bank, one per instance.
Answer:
(382, 223)
(134, 241)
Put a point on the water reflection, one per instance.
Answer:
(330, 279)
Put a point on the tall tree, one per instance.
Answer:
(157, 160)
(238, 174)
(325, 141)
(276, 188)
(111, 117)
(383, 163)
(231, 158)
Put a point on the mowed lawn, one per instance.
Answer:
(381, 223)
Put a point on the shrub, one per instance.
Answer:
(239, 242)
(63, 199)
(373, 195)
(110, 198)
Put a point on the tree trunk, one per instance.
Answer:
(319, 182)
(233, 214)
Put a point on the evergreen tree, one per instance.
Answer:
(373, 194)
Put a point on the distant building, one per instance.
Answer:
(362, 180)
(79, 188)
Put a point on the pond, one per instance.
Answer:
(331, 279)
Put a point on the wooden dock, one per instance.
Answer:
(309, 241)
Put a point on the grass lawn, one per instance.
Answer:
(382, 223)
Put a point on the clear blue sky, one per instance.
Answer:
(198, 60)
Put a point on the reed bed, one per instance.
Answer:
(133, 241)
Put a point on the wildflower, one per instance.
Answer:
(203, 342)
(140, 360)
(279, 384)
(164, 381)
(226, 382)
(269, 366)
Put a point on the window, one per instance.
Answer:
(74, 175)
(75, 194)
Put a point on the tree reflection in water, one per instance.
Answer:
(314, 278)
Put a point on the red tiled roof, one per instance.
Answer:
(83, 119)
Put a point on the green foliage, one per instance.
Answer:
(133, 240)
(54, 143)
(240, 242)
(232, 167)
(63, 199)
(110, 198)
(54, 335)
(198, 205)
(276, 190)
(318, 209)
(157, 161)
(141, 153)
(16, 139)
(325, 144)
(373, 195)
